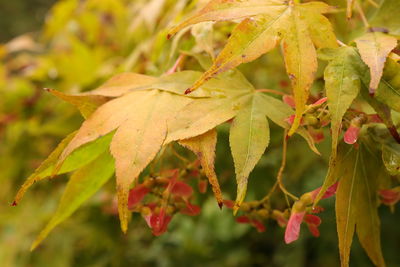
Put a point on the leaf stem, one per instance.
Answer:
(282, 168)
(340, 43)
(176, 154)
(271, 191)
(373, 3)
(362, 15)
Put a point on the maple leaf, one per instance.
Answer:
(79, 158)
(299, 26)
(374, 48)
(204, 147)
(386, 18)
(137, 115)
(81, 186)
(391, 158)
(248, 138)
(388, 91)
(202, 115)
(356, 204)
(342, 85)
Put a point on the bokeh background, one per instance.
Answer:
(75, 45)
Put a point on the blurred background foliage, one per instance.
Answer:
(75, 46)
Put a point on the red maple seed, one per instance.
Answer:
(181, 189)
(136, 195)
(289, 100)
(293, 227)
(328, 193)
(351, 135)
(191, 210)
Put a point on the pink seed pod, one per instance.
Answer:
(351, 135)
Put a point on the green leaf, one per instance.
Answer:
(249, 137)
(356, 205)
(81, 186)
(342, 85)
(391, 158)
(387, 16)
(382, 110)
(278, 112)
(81, 157)
(389, 89)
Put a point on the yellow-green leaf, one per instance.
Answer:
(389, 89)
(278, 112)
(75, 160)
(342, 85)
(248, 138)
(356, 205)
(386, 16)
(81, 186)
